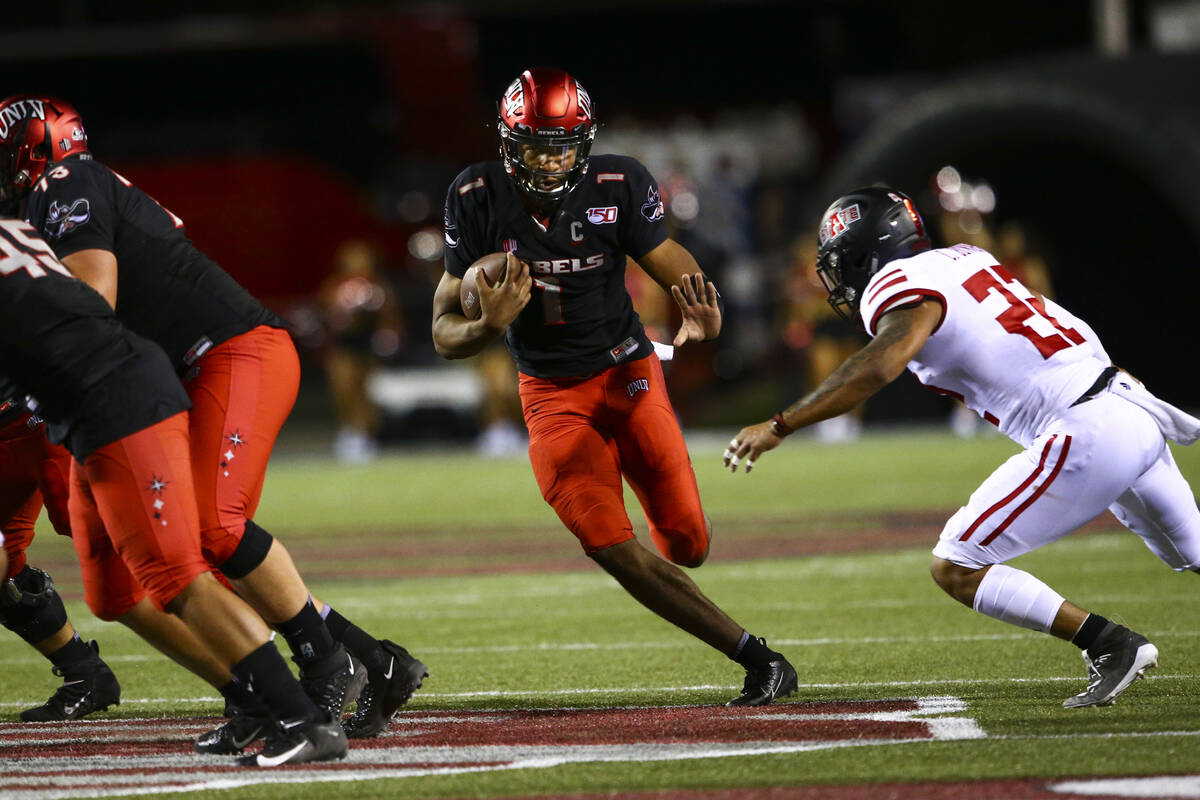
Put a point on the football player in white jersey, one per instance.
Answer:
(1094, 437)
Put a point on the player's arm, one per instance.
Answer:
(674, 269)
(900, 336)
(97, 268)
(455, 336)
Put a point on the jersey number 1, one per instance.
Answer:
(552, 310)
(1014, 317)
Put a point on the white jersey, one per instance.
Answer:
(1015, 358)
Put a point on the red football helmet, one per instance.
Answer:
(546, 130)
(35, 130)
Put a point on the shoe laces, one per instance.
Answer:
(366, 703)
(327, 692)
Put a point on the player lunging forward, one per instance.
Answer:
(1094, 437)
(591, 386)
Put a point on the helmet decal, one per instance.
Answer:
(514, 99)
(585, 101)
(19, 110)
(916, 218)
(838, 223)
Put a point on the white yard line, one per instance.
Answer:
(704, 687)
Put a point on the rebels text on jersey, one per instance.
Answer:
(94, 381)
(1012, 356)
(167, 290)
(580, 319)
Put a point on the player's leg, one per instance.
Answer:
(578, 471)
(29, 604)
(142, 489)
(1064, 479)
(654, 459)
(241, 398)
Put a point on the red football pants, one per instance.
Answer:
(242, 392)
(32, 472)
(585, 433)
(134, 520)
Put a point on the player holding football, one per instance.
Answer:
(1094, 437)
(113, 400)
(33, 472)
(591, 386)
(241, 372)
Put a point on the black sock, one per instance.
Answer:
(239, 699)
(753, 652)
(1089, 631)
(361, 644)
(266, 674)
(307, 635)
(71, 658)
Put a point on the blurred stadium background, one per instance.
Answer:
(303, 140)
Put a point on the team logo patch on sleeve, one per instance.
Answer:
(61, 219)
(653, 209)
(451, 230)
(602, 216)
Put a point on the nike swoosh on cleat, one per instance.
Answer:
(241, 743)
(282, 758)
(287, 726)
(71, 709)
(387, 676)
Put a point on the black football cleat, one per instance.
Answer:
(767, 683)
(1118, 658)
(333, 691)
(77, 697)
(235, 735)
(300, 742)
(385, 692)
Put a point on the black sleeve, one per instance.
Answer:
(464, 218)
(73, 211)
(644, 227)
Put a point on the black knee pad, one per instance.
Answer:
(250, 552)
(30, 607)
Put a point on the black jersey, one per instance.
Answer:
(94, 381)
(580, 319)
(167, 290)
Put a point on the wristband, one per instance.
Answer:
(779, 427)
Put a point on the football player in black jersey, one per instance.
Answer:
(241, 372)
(591, 385)
(112, 399)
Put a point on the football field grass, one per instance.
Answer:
(547, 679)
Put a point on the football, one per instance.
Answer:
(494, 266)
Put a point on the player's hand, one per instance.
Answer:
(500, 303)
(697, 299)
(750, 443)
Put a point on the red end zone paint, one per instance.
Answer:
(47, 762)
